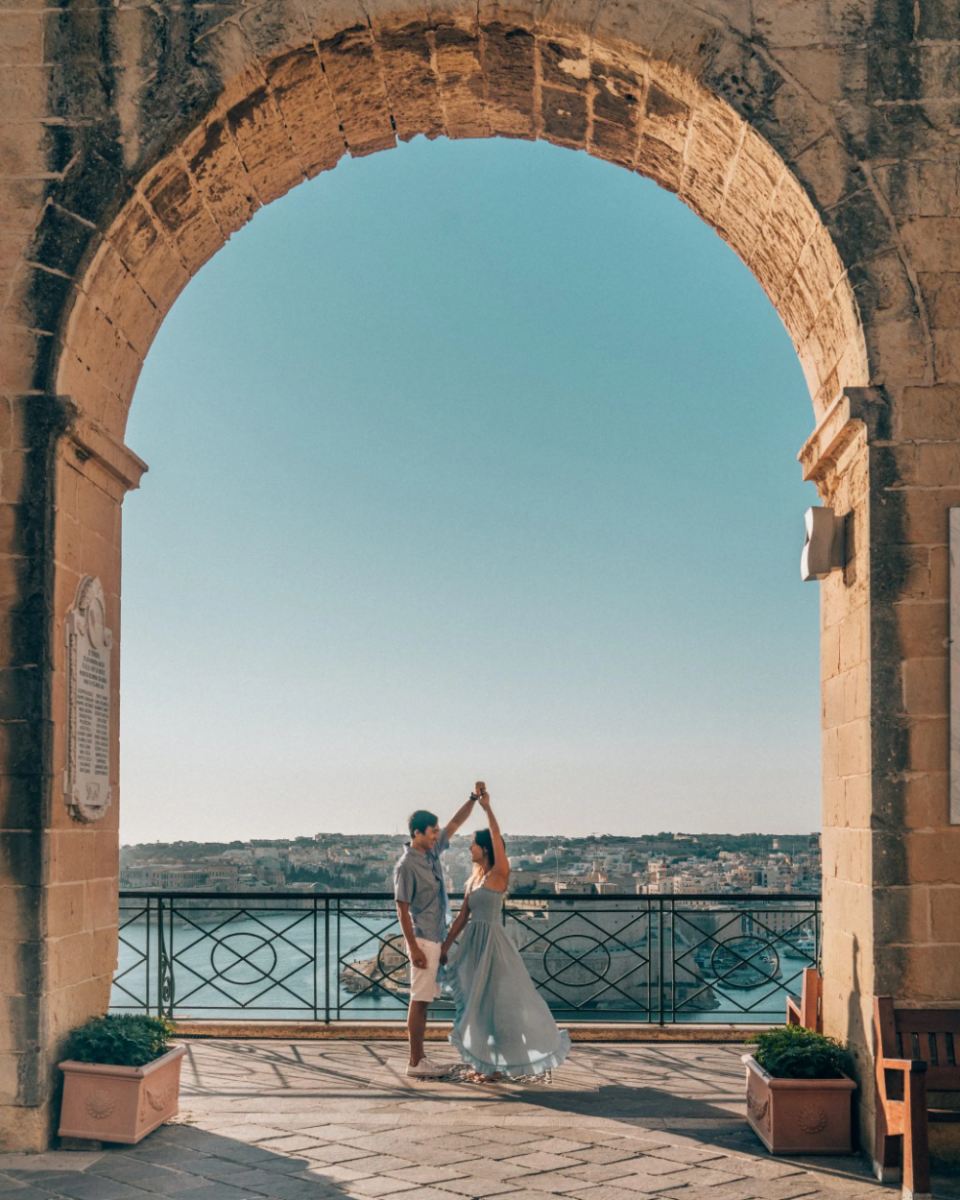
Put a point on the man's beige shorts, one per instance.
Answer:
(423, 980)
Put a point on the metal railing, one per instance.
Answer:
(718, 959)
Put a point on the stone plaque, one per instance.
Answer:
(86, 780)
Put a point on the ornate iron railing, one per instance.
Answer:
(719, 959)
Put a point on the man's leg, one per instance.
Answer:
(416, 1027)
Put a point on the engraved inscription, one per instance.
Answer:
(86, 782)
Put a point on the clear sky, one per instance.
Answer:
(470, 459)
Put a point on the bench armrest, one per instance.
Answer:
(902, 1064)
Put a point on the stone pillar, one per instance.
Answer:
(891, 860)
(62, 483)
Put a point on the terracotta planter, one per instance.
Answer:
(799, 1116)
(119, 1104)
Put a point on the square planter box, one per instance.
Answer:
(119, 1104)
(799, 1116)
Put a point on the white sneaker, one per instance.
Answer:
(427, 1069)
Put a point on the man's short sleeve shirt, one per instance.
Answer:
(418, 881)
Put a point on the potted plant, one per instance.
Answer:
(799, 1092)
(121, 1079)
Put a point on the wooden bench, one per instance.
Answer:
(808, 1012)
(917, 1049)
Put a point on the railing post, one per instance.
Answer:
(315, 1010)
(660, 957)
(146, 965)
(326, 958)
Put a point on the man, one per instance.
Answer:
(424, 912)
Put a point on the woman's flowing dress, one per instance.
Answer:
(502, 1022)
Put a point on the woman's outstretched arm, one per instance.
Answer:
(456, 928)
(501, 867)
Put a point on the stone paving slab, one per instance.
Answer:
(340, 1121)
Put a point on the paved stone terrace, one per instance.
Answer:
(334, 1120)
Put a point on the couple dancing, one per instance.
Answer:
(502, 1027)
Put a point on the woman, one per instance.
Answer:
(502, 1025)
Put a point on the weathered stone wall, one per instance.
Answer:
(819, 139)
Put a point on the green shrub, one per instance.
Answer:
(120, 1040)
(793, 1052)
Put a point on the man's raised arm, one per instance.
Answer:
(460, 816)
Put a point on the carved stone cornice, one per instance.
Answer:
(856, 409)
(118, 460)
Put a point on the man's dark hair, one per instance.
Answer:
(421, 820)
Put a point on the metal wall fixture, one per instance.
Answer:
(823, 549)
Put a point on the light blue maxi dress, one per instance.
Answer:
(502, 1022)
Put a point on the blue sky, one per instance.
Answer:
(470, 459)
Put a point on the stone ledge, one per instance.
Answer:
(381, 1031)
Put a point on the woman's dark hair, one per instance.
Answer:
(484, 840)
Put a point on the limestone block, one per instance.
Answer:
(72, 854)
(945, 914)
(853, 748)
(778, 249)
(902, 914)
(460, 78)
(616, 104)
(714, 138)
(328, 17)
(406, 60)
(21, 201)
(830, 753)
(65, 909)
(265, 146)
(927, 742)
(19, 351)
(899, 349)
(934, 856)
(113, 289)
(219, 175)
(925, 686)
(857, 801)
(946, 355)
(941, 294)
(673, 33)
(832, 707)
(938, 464)
(854, 639)
(931, 974)
(107, 850)
(933, 243)
(21, 38)
(751, 187)
(152, 261)
(930, 413)
(661, 162)
(829, 651)
(925, 513)
(784, 23)
(100, 903)
(24, 147)
(508, 62)
(25, 89)
(177, 205)
(101, 346)
(275, 21)
(308, 111)
(70, 959)
(922, 629)
(354, 78)
(925, 800)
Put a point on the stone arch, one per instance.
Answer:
(818, 141)
(287, 117)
